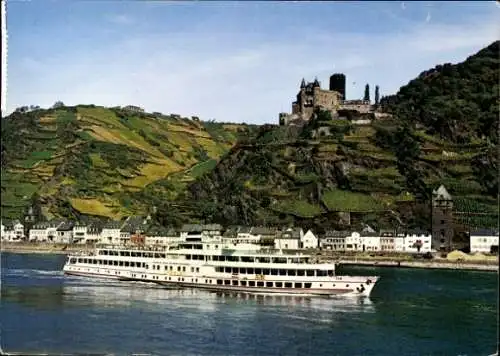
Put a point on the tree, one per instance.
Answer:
(58, 104)
(377, 95)
(418, 245)
(367, 93)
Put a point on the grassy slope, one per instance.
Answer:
(99, 160)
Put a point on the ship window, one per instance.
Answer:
(105, 252)
(291, 272)
(184, 269)
(115, 263)
(260, 284)
(279, 284)
(192, 269)
(227, 282)
(72, 260)
(288, 285)
(298, 285)
(243, 283)
(265, 260)
(188, 257)
(171, 268)
(132, 254)
(347, 285)
(250, 271)
(79, 260)
(178, 268)
(121, 263)
(265, 272)
(243, 270)
(282, 272)
(269, 284)
(308, 285)
(300, 272)
(258, 271)
(274, 272)
(122, 253)
(234, 270)
(320, 273)
(197, 269)
(235, 283)
(127, 263)
(251, 283)
(227, 269)
(310, 273)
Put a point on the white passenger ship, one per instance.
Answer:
(218, 266)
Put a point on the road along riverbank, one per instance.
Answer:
(33, 248)
(402, 261)
(461, 265)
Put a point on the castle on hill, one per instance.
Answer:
(312, 97)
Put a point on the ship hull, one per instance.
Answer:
(357, 288)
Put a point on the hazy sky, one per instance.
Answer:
(229, 61)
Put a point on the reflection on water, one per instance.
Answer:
(81, 292)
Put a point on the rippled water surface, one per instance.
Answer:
(411, 312)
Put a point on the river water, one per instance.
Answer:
(410, 312)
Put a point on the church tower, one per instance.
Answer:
(442, 220)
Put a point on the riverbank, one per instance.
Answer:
(434, 264)
(43, 248)
(401, 261)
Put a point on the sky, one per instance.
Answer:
(228, 61)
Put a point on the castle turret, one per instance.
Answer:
(337, 83)
(316, 83)
(303, 83)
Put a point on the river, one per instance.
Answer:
(410, 312)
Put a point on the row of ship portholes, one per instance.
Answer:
(229, 283)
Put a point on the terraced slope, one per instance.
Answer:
(98, 161)
(442, 131)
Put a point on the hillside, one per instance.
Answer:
(443, 131)
(88, 160)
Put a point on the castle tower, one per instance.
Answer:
(442, 220)
(337, 83)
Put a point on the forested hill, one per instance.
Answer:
(443, 131)
(107, 162)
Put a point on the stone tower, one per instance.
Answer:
(442, 220)
(337, 83)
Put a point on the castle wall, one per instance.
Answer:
(326, 99)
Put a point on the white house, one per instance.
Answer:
(247, 234)
(334, 240)
(93, 234)
(484, 241)
(52, 229)
(289, 239)
(80, 233)
(12, 230)
(399, 243)
(309, 240)
(39, 232)
(162, 238)
(370, 241)
(111, 233)
(417, 241)
(353, 242)
(64, 233)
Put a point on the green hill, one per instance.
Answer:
(443, 131)
(111, 162)
(89, 160)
